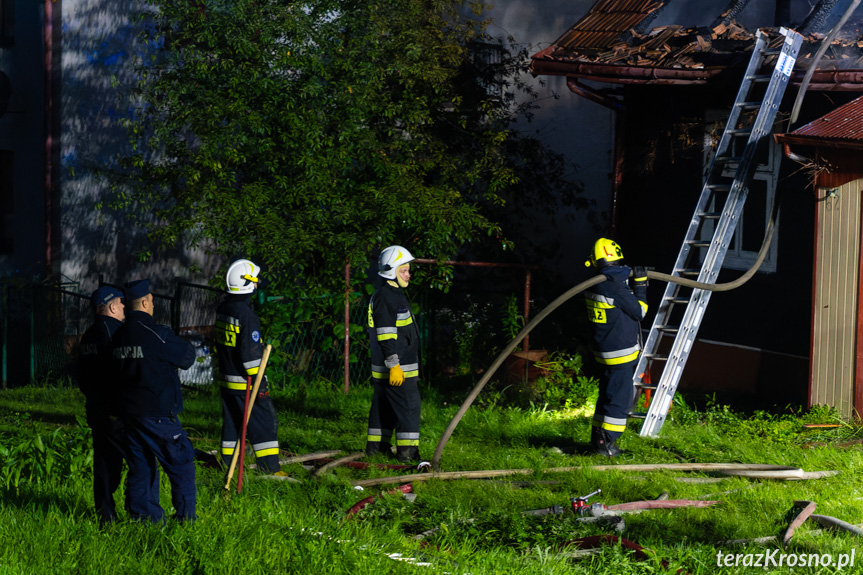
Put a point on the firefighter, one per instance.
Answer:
(98, 382)
(239, 348)
(616, 308)
(147, 356)
(395, 351)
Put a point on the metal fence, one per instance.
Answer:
(42, 327)
(460, 331)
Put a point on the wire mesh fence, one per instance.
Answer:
(42, 327)
(460, 331)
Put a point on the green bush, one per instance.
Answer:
(564, 385)
(65, 453)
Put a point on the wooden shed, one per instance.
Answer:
(831, 147)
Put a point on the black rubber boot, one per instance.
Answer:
(603, 443)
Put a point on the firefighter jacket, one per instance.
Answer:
(393, 334)
(616, 311)
(239, 346)
(147, 355)
(96, 377)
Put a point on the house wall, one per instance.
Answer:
(581, 130)
(100, 51)
(835, 297)
(22, 129)
(95, 49)
(771, 313)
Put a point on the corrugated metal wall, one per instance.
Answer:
(835, 298)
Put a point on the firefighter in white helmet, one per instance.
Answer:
(239, 348)
(395, 350)
(615, 308)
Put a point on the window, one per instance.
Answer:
(749, 234)
(487, 58)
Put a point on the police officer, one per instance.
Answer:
(616, 308)
(395, 349)
(98, 382)
(147, 356)
(239, 349)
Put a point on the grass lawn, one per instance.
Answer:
(464, 526)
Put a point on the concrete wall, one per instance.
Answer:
(21, 132)
(579, 129)
(100, 50)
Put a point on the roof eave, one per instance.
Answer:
(822, 80)
(816, 142)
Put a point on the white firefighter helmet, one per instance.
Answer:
(242, 277)
(391, 259)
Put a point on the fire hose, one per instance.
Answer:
(572, 292)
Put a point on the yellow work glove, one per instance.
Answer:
(397, 376)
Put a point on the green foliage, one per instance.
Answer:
(309, 134)
(513, 320)
(564, 384)
(64, 453)
(561, 385)
(309, 332)
(459, 526)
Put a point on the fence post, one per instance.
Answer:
(526, 307)
(175, 307)
(347, 326)
(33, 333)
(5, 335)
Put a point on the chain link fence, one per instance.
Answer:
(42, 328)
(460, 331)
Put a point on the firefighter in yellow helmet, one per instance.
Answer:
(615, 307)
(395, 349)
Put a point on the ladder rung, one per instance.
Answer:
(731, 145)
(678, 300)
(650, 386)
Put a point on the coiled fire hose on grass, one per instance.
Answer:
(572, 292)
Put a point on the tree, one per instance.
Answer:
(308, 134)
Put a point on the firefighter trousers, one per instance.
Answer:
(395, 409)
(261, 429)
(616, 394)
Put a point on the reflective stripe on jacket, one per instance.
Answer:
(615, 310)
(239, 345)
(393, 333)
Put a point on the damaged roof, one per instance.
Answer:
(841, 127)
(604, 46)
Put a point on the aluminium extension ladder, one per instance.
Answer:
(667, 323)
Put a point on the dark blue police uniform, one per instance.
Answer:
(148, 355)
(97, 381)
